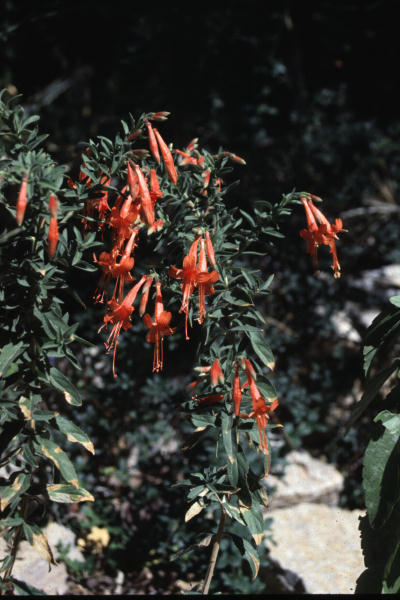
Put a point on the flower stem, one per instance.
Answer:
(214, 553)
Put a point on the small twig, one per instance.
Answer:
(214, 553)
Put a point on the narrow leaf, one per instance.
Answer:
(262, 349)
(194, 510)
(65, 493)
(59, 381)
(54, 453)
(8, 353)
(74, 433)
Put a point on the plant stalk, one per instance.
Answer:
(214, 553)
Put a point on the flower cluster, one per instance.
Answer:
(194, 273)
(133, 211)
(261, 409)
(320, 231)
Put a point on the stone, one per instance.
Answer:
(383, 282)
(306, 479)
(344, 327)
(320, 544)
(30, 568)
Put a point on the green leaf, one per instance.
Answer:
(368, 355)
(395, 300)
(74, 433)
(389, 420)
(267, 389)
(243, 467)
(28, 532)
(7, 562)
(203, 540)
(59, 381)
(10, 492)
(248, 217)
(372, 389)
(29, 456)
(248, 552)
(203, 420)
(62, 492)
(253, 518)
(381, 474)
(247, 328)
(262, 349)
(25, 589)
(233, 512)
(9, 352)
(266, 284)
(230, 448)
(391, 583)
(53, 452)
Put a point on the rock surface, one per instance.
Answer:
(321, 544)
(306, 479)
(30, 568)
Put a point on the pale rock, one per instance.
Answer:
(344, 327)
(30, 568)
(383, 281)
(306, 479)
(320, 544)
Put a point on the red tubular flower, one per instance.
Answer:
(146, 203)
(119, 315)
(53, 205)
(208, 400)
(235, 157)
(187, 159)
(121, 270)
(206, 174)
(22, 200)
(193, 384)
(192, 145)
(105, 261)
(216, 373)
(134, 135)
(122, 218)
(320, 231)
(188, 274)
(52, 237)
(167, 158)
(261, 412)
(204, 280)
(158, 329)
(236, 391)
(248, 369)
(145, 296)
(210, 250)
(155, 191)
(132, 182)
(161, 115)
(153, 143)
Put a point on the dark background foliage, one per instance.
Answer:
(307, 94)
